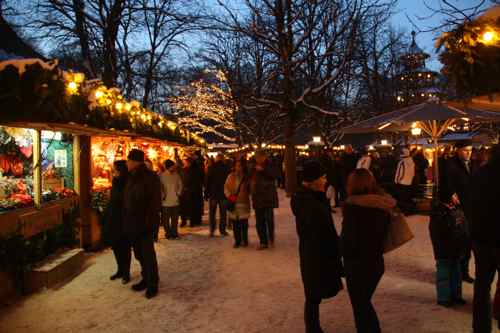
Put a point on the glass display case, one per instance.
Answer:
(16, 168)
(57, 165)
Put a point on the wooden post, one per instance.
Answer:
(83, 185)
(76, 163)
(37, 167)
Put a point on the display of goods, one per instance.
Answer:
(16, 167)
(4, 163)
(99, 201)
(16, 201)
(22, 198)
(101, 183)
(26, 151)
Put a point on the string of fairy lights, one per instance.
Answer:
(207, 107)
(100, 96)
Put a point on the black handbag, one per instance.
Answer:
(228, 204)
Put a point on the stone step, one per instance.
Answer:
(54, 269)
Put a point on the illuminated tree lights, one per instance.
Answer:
(207, 107)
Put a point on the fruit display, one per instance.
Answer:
(15, 193)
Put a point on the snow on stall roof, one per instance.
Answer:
(21, 64)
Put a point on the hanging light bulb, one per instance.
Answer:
(119, 106)
(488, 37)
(72, 87)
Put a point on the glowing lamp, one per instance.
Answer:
(342, 147)
(384, 142)
(488, 37)
(416, 131)
(119, 106)
(152, 154)
(72, 87)
(79, 77)
(316, 139)
(98, 94)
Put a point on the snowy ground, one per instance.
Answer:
(207, 286)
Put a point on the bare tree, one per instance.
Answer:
(308, 44)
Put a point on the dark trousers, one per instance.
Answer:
(264, 222)
(197, 209)
(240, 231)
(311, 316)
(123, 255)
(464, 263)
(213, 204)
(448, 280)
(362, 278)
(144, 252)
(170, 220)
(404, 196)
(487, 260)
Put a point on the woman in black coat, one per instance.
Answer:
(364, 229)
(320, 263)
(118, 240)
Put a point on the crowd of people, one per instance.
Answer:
(368, 187)
(142, 200)
(464, 219)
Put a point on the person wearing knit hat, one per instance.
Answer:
(320, 262)
(312, 170)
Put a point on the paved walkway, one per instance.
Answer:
(207, 286)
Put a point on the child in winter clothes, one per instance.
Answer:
(448, 235)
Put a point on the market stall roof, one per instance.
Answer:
(402, 119)
(76, 129)
(36, 94)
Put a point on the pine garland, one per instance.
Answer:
(40, 95)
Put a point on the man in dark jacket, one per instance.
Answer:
(192, 193)
(197, 179)
(453, 190)
(484, 217)
(347, 165)
(214, 191)
(320, 263)
(264, 199)
(141, 208)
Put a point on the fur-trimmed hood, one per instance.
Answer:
(380, 201)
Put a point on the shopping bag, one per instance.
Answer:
(399, 232)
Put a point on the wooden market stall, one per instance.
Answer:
(59, 135)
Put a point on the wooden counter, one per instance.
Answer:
(32, 221)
